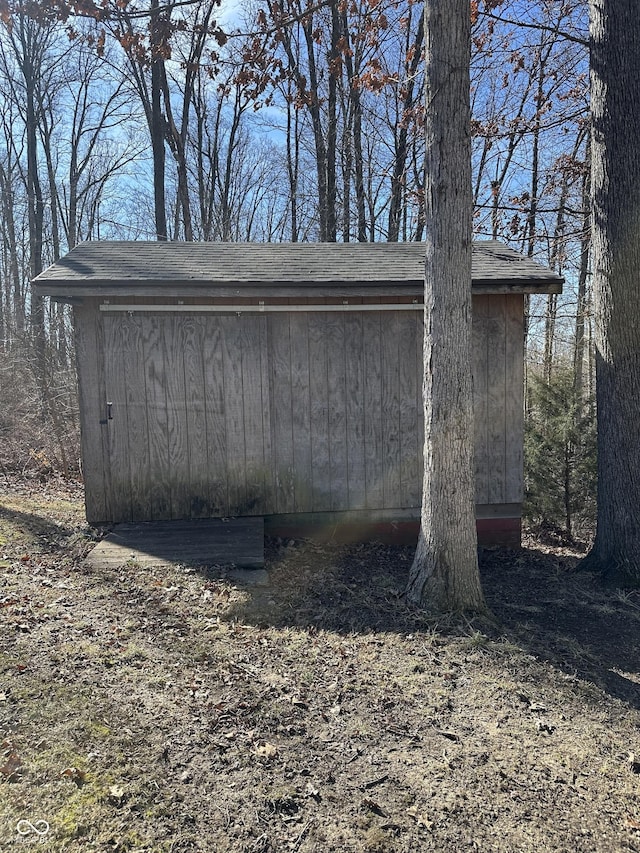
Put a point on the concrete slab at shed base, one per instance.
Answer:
(249, 577)
(209, 542)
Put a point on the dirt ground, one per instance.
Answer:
(171, 710)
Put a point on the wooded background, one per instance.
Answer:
(289, 122)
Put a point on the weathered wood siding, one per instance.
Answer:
(251, 414)
(498, 382)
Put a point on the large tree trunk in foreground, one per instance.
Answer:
(615, 99)
(444, 574)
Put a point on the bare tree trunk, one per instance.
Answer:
(531, 229)
(177, 143)
(556, 256)
(401, 138)
(226, 184)
(14, 291)
(34, 187)
(29, 54)
(332, 125)
(46, 126)
(581, 307)
(4, 308)
(346, 150)
(352, 67)
(419, 183)
(308, 85)
(515, 135)
(207, 159)
(549, 335)
(615, 104)
(293, 163)
(156, 126)
(444, 574)
(177, 138)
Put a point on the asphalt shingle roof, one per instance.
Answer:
(106, 264)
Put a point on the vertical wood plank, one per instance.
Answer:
(234, 412)
(173, 343)
(301, 411)
(136, 401)
(391, 408)
(514, 359)
(118, 426)
(373, 432)
(192, 343)
(253, 425)
(269, 504)
(157, 420)
(92, 402)
(281, 411)
(410, 477)
(321, 474)
(496, 400)
(214, 398)
(355, 411)
(336, 386)
(480, 368)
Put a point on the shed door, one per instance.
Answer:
(181, 442)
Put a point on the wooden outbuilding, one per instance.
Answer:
(284, 381)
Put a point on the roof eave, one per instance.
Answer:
(67, 291)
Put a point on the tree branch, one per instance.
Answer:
(544, 27)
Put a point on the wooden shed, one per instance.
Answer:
(284, 381)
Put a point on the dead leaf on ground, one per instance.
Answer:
(116, 795)
(312, 791)
(10, 770)
(11, 766)
(419, 818)
(267, 750)
(75, 775)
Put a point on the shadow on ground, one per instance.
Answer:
(36, 525)
(539, 603)
(567, 618)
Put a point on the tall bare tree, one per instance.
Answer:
(444, 574)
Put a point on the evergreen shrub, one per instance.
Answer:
(560, 457)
